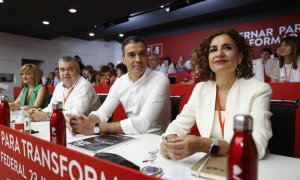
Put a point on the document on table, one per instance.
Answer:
(183, 170)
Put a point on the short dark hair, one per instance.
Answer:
(69, 59)
(111, 64)
(132, 39)
(267, 49)
(122, 67)
(168, 59)
(246, 66)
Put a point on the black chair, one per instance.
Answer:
(172, 79)
(102, 98)
(175, 101)
(283, 127)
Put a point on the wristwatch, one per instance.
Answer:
(214, 148)
(97, 128)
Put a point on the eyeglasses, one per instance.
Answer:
(151, 156)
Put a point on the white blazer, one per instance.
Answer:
(250, 97)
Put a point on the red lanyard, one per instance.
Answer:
(219, 114)
(285, 73)
(65, 98)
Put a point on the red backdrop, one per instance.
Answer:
(269, 31)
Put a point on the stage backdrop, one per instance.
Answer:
(263, 33)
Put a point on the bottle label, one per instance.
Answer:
(27, 125)
(19, 127)
(53, 135)
(237, 171)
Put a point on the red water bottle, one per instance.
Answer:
(242, 156)
(4, 111)
(58, 124)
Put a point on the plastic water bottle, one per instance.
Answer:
(58, 124)
(19, 123)
(27, 124)
(4, 111)
(242, 157)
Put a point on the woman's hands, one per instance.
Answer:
(181, 147)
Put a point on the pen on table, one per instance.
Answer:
(34, 132)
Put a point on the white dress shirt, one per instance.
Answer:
(81, 100)
(167, 70)
(250, 97)
(145, 101)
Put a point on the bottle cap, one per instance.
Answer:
(22, 111)
(152, 171)
(57, 105)
(3, 98)
(243, 122)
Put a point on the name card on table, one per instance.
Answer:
(26, 157)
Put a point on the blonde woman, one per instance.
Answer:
(34, 93)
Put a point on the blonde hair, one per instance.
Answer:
(33, 70)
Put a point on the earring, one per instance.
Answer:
(238, 71)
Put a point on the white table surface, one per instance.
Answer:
(272, 167)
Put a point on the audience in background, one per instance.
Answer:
(50, 79)
(121, 69)
(57, 76)
(43, 78)
(89, 74)
(154, 62)
(191, 76)
(81, 65)
(112, 67)
(167, 67)
(277, 53)
(229, 90)
(105, 77)
(143, 93)
(288, 67)
(180, 62)
(263, 65)
(34, 93)
(187, 64)
(75, 92)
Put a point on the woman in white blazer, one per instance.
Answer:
(229, 90)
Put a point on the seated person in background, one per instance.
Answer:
(75, 92)
(105, 77)
(180, 62)
(260, 65)
(153, 61)
(57, 77)
(229, 90)
(288, 67)
(190, 74)
(34, 93)
(43, 78)
(167, 67)
(112, 67)
(187, 64)
(121, 69)
(50, 79)
(89, 74)
(143, 93)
